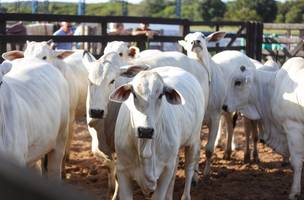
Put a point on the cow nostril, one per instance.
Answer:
(146, 133)
(225, 108)
(96, 113)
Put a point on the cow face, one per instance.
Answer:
(239, 89)
(121, 48)
(102, 76)
(197, 42)
(146, 94)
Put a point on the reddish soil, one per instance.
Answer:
(229, 180)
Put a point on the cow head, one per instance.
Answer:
(103, 74)
(43, 50)
(196, 45)
(146, 94)
(122, 49)
(239, 89)
(40, 50)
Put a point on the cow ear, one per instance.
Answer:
(183, 43)
(173, 96)
(133, 51)
(12, 55)
(121, 94)
(88, 58)
(130, 71)
(63, 54)
(216, 36)
(5, 67)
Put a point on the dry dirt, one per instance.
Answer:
(229, 180)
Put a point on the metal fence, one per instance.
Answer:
(251, 32)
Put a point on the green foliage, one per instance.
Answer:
(197, 10)
(264, 10)
(211, 10)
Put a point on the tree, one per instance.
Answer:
(152, 7)
(264, 10)
(211, 10)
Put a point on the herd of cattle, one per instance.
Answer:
(142, 107)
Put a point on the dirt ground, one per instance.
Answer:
(229, 180)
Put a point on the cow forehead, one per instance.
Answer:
(147, 83)
(115, 46)
(35, 48)
(195, 36)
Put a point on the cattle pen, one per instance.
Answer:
(250, 32)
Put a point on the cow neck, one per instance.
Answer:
(273, 132)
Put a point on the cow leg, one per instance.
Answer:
(169, 195)
(229, 135)
(192, 154)
(55, 158)
(247, 129)
(70, 137)
(255, 141)
(213, 128)
(164, 182)
(112, 183)
(125, 186)
(295, 139)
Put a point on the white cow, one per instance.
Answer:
(227, 60)
(72, 69)
(162, 111)
(128, 53)
(104, 76)
(277, 99)
(196, 46)
(34, 109)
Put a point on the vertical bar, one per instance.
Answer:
(186, 30)
(248, 37)
(103, 32)
(81, 7)
(3, 42)
(217, 44)
(259, 41)
(178, 8)
(34, 6)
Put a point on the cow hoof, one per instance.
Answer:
(295, 196)
(227, 156)
(285, 164)
(256, 160)
(247, 158)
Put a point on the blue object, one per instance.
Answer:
(63, 45)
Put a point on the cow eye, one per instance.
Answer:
(44, 58)
(160, 96)
(120, 54)
(112, 81)
(237, 83)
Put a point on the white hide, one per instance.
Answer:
(151, 162)
(72, 69)
(105, 74)
(196, 46)
(34, 109)
(277, 99)
(128, 53)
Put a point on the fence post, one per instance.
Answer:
(249, 39)
(186, 30)
(259, 42)
(3, 43)
(103, 32)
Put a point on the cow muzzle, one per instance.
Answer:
(96, 113)
(145, 133)
(196, 44)
(225, 108)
